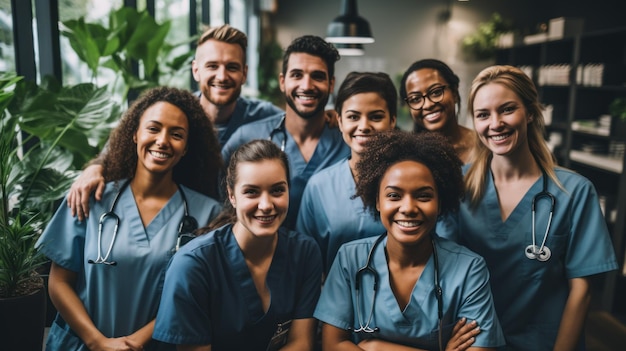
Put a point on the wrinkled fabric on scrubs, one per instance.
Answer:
(464, 280)
(530, 295)
(210, 298)
(119, 299)
(332, 214)
(330, 149)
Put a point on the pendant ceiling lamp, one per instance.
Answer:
(350, 49)
(349, 27)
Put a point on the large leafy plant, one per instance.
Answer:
(132, 39)
(48, 132)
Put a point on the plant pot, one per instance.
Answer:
(22, 322)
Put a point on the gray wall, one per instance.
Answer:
(409, 30)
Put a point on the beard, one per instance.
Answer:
(220, 100)
(307, 115)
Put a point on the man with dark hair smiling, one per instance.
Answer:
(307, 79)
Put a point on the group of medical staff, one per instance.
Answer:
(439, 238)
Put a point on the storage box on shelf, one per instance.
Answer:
(579, 76)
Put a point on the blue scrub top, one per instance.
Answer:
(210, 298)
(119, 299)
(530, 295)
(330, 149)
(464, 280)
(332, 214)
(246, 111)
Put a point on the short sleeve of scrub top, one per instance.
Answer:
(110, 293)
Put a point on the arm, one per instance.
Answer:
(334, 338)
(141, 337)
(574, 315)
(71, 308)
(301, 335)
(90, 180)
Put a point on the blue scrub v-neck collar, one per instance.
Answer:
(244, 277)
(492, 203)
(419, 294)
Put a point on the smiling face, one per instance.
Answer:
(161, 138)
(408, 202)
(220, 70)
(438, 116)
(260, 197)
(500, 119)
(306, 85)
(361, 116)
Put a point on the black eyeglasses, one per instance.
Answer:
(416, 101)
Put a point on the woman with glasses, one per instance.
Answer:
(366, 103)
(431, 90)
(408, 289)
(107, 271)
(248, 284)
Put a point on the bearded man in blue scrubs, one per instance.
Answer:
(302, 131)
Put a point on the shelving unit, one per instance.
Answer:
(579, 77)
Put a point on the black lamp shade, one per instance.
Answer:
(349, 27)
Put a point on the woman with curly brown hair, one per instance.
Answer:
(408, 289)
(107, 272)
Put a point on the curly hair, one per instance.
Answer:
(428, 148)
(314, 46)
(201, 165)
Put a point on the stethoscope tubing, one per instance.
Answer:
(367, 268)
(104, 259)
(280, 128)
(541, 253)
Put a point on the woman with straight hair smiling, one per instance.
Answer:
(538, 226)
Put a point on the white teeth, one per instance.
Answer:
(159, 154)
(302, 97)
(499, 137)
(361, 137)
(265, 218)
(432, 116)
(408, 223)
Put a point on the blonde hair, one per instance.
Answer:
(518, 82)
(227, 34)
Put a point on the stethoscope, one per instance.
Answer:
(541, 253)
(280, 128)
(187, 225)
(365, 327)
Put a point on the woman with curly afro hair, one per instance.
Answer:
(107, 271)
(408, 289)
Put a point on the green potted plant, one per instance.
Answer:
(48, 132)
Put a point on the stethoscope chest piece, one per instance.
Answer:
(534, 252)
(541, 252)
